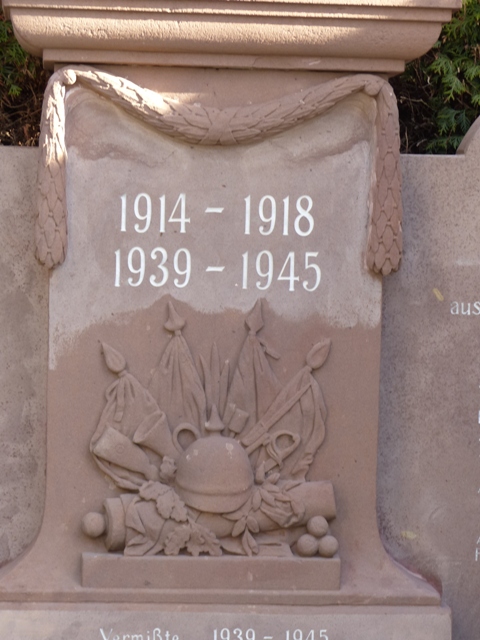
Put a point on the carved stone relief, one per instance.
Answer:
(214, 461)
(200, 125)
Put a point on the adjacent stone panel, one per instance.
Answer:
(23, 349)
(429, 467)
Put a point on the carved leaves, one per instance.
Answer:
(385, 233)
(280, 427)
(177, 540)
(202, 541)
(51, 224)
(157, 520)
(203, 125)
(193, 537)
(270, 500)
(166, 500)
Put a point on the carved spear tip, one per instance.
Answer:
(113, 359)
(318, 354)
(254, 320)
(215, 423)
(175, 323)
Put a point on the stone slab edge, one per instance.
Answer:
(296, 623)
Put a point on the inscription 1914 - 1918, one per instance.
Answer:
(292, 216)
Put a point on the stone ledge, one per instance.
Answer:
(352, 36)
(260, 573)
(63, 621)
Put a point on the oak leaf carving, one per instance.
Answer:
(176, 540)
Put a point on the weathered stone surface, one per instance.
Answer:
(232, 270)
(162, 623)
(427, 485)
(429, 467)
(23, 349)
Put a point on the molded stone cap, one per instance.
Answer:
(377, 36)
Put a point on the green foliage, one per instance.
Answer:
(15, 63)
(22, 83)
(439, 94)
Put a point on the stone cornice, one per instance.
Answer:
(376, 36)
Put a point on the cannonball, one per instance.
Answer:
(327, 546)
(93, 524)
(307, 546)
(317, 526)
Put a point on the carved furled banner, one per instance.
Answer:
(238, 480)
(221, 289)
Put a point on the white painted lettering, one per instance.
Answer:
(123, 220)
(465, 308)
(315, 267)
(477, 554)
(104, 637)
(140, 270)
(161, 266)
(182, 219)
(267, 219)
(247, 215)
(157, 634)
(147, 216)
(289, 276)
(304, 214)
(136, 265)
(268, 274)
(267, 212)
(182, 272)
(245, 270)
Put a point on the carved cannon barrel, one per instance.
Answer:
(316, 497)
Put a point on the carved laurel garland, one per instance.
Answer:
(196, 124)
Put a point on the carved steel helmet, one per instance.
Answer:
(214, 475)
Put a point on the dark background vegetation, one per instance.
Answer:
(22, 83)
(438, 95)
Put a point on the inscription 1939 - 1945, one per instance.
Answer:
(224, 633)
(290, 216)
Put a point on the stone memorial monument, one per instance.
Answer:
(219, 196)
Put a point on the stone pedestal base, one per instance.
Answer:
(267, 573)
(111, 622)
